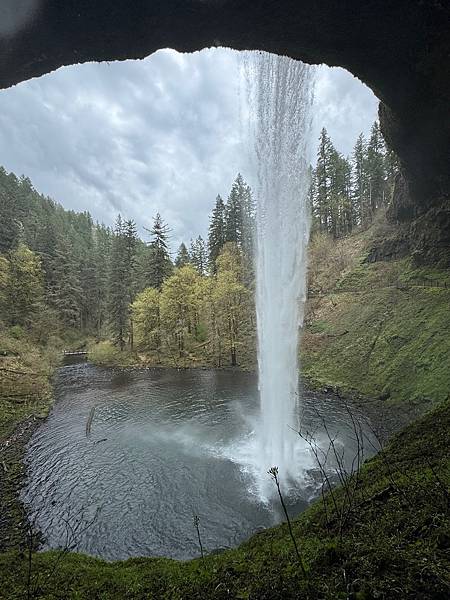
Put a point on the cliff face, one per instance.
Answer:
(399, 49)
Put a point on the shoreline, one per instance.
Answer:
(13, 471)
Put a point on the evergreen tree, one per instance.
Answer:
(65, 291)
(199, 255)
(130, 243)
(360, 185)
(160, 265)
(102, 241)
(322, 209)
(376, 168)
(216, 233)
(183, 258)
(234, 212)
(24, 286)
(118, 287)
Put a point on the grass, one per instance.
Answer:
(394, 545)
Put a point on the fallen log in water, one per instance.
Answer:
(89, 421)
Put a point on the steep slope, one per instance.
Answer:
(378, 329)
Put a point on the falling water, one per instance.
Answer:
(280, 93)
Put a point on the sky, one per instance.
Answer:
(161, 134)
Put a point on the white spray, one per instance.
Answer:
(280, 93)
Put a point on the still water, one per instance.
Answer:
(164, 445)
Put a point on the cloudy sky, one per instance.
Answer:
(163, 134)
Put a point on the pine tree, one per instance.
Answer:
(360, 182)
(65, 293)
(24, 286)
(160, 265)
(183, 257)
(322, 209)
(199, 255)
(216, 234)
(234, 212)
(118, 287)
(101, 256)
(376, 168)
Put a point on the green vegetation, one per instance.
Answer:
(108, 355)
(25, 398)
(393, 544)
(25, 389)
(381, 329)
(378, 330)
(347, 192)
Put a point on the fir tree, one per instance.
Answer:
(359, 182)
(118, 287)
(322, 209)
(199, 255)
(183, 257)
(234, 212)
(376, 168)
(160, 265)
(216, 234)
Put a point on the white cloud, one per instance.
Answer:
(161, 134)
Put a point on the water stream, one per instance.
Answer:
(280, 93)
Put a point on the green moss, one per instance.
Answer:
(383, 341)
(393, 544)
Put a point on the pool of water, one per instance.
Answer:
(163, 446)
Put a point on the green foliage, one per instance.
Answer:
(107, 354)
(146, 318)
(346, 193)
(216, 234)
(232, 222)
(121, 281)
(159, 264)
(183, 257)
(379, 329)
(24, 286)
(195, 319)
(198, 255)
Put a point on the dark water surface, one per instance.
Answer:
(161, 449)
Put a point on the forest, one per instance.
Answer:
(62, 272)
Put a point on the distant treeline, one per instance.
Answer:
(59, 270)
(346, 192)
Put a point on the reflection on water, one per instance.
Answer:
(164, 445)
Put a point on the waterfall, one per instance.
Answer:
(279, 95)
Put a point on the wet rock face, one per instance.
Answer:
(400, 49)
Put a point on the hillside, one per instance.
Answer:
(376, 329)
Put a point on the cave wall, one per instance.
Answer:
(399, 48)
